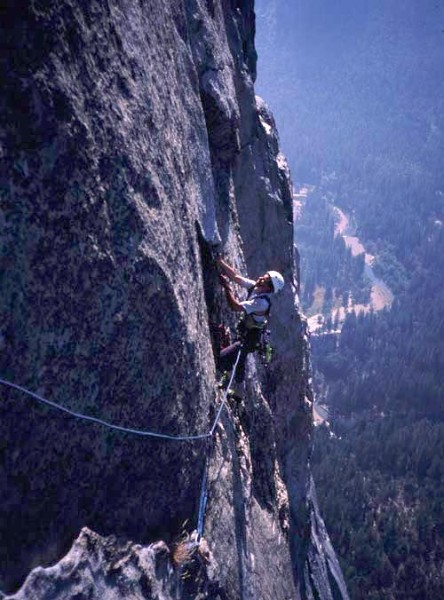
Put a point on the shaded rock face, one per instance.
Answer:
(130, 142)
(102, 307)
(322, 573)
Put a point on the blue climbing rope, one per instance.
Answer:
(83, 417)
(204, 487)
(227, 389)
(203, 498)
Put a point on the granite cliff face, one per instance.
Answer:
(131, 143)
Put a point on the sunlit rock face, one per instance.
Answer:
(131, 143)
(98, 567)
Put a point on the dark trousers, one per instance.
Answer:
(246, 345)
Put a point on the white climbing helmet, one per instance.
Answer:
(277, 281)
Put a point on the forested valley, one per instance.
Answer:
(358, 94)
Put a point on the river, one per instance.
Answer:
(381, 295)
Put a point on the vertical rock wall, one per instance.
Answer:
(102, 305)
(131, 141)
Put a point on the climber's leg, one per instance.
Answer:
(228, 356)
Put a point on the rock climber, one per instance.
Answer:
(255, 309)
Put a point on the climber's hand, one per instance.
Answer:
(224, 280)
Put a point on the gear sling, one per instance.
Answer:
(249, 338)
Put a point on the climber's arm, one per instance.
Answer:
(234, 275)
(227, 269)
(233, 303)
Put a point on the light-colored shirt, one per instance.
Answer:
(254, 304)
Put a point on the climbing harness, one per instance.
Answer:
(248, 321)
(254, 334)
(204, 487)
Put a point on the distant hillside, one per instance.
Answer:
(358, 91)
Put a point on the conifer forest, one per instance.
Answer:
(358, 91)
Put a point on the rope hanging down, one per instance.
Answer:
(204, 487)
(203, 497)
